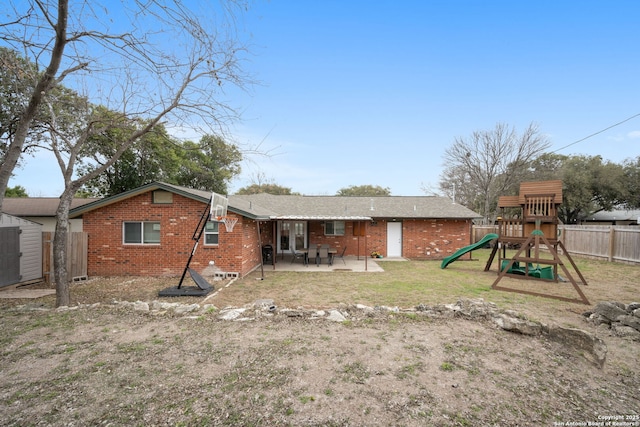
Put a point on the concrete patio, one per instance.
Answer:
(351, 263)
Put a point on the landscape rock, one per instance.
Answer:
(592, 347)
(336, 316)
(631, 321)
(610, 310)
(514, 324)
(141, 306)
(231, 314)
(263, 304)
(633, 306)
(619, 317)
(182, 309)
(598, 319)
(624, 331)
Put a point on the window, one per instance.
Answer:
(140, 232)
(334, 228)
(211, 233)
(162, 197)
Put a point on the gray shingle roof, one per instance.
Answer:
(269, 206)
(354, 208)
(37, 206)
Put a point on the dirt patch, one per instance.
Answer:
(110, 364)
(104, 362)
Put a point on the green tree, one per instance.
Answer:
(589, 183)
(261, 184)
(364, 190)
(632, 183)
(268, 188)
(209, 165)
(150, 158)
(17, 191)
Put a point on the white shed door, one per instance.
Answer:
(394, 239)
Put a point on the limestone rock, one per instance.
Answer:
(231, 314)
(183, 308)
(631, 321)
(514, 324)
(141, 306)
(263, 304)
(336, 316)
(610, 310)
(633, 306)
(624, 331)
(594, 349)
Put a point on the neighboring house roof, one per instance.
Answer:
(269, 206)
(37, 206)
(616, 215)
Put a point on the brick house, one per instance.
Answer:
(149, 230)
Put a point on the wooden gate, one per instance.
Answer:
(77, 246)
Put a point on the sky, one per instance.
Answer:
(355, 92)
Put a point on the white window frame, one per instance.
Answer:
(333, 228)
(155, 225)
(210, 232)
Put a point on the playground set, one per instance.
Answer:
(529, 222)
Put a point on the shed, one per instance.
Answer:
(20, 250)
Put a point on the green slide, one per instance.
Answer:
(448, 260)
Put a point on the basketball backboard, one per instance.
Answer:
(218, 207)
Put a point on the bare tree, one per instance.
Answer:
(488, 164)
(162, 63)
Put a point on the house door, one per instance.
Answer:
(394, 239)
(9, 255)
(291, 235)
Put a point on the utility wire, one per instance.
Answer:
(599, 132)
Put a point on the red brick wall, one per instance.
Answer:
(422, 239)
(434, 238)
(108, 256)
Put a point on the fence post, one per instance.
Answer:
(612, 235)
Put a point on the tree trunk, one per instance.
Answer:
(60, 239)
(43, 85)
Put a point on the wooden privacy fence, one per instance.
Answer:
(77, 246)
(614, 243)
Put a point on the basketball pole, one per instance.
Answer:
(197, 234)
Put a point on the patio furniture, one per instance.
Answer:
(296, 255)
(323, 253)
(312, 252)
(341, 256)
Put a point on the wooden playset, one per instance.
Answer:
(529, 222)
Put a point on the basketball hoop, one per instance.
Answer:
(229, 223)
(218, 209)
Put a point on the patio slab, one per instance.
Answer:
(351, 263)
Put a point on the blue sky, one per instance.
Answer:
(361, 92)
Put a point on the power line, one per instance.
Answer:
(596, 133)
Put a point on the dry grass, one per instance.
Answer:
(402, 284)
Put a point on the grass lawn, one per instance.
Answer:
(403, 284)
(408, 284)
